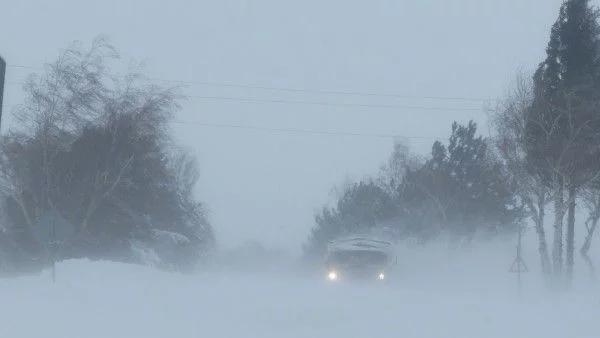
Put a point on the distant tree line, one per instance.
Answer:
(545, 154)
(95, 148)
(462, 190)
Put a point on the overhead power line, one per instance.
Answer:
(326, 103)
(329, 92)
(301, 131)
(24, 67)
(303, 90)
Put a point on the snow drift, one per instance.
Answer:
(462, 295)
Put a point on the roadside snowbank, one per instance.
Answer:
(466, 296)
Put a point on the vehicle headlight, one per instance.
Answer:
(332, 275)
(381, 276)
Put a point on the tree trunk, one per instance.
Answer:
(542, 243)
(585, 248)
(86, 217)
(557, 249)
(20, 201)
(570, 236)
(588, 260)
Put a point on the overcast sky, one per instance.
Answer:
(266, 185)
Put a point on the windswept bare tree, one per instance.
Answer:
(96, 148)
(510, 121)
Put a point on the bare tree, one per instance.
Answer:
(559, 172)
(393, 172)
(186, 171)
(15, 174)
(510, 120)
(57, 104)
(77, 133)
(96, 148)
(572, 159)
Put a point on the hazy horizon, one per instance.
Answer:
(266, 185)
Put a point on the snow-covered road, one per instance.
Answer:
(109, 300)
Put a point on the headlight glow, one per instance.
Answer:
(332, 275)
(381, 276)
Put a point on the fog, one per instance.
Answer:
(438, 293)
(292, 114)
(262, 185)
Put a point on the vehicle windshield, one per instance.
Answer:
(358, 257)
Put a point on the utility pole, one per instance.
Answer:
(2, 76)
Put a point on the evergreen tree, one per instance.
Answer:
(468, 186)
(563, 120)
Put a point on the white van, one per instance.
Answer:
(359, 258)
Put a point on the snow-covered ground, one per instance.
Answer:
(461, 295)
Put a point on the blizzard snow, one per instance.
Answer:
(460, 295)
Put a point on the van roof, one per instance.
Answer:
(359, 243)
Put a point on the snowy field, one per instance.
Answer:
(461, 295)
